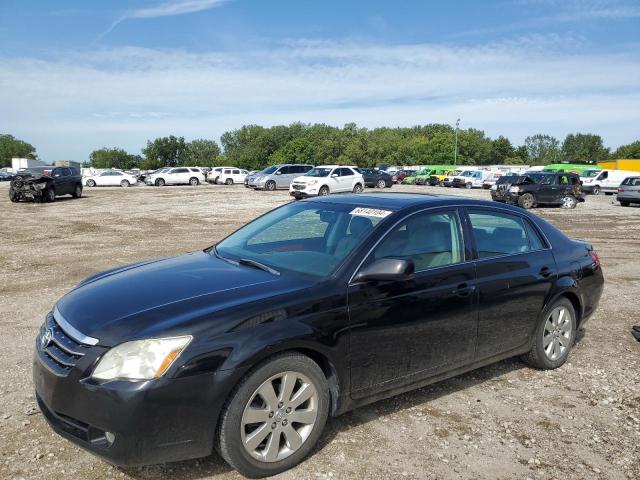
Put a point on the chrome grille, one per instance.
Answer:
(56, 349)
(297, 187)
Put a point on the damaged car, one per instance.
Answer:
(538, 189)
(44, 184)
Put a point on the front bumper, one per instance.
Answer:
(303, 191)
(162, 420)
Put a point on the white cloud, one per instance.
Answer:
(167, 9)
(81, 101)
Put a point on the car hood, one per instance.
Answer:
(165, 297)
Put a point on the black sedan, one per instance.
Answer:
(313, 309)
(376, 178)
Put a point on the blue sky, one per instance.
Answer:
(80, 75)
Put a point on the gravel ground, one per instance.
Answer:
(502, 421)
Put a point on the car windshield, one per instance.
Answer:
(318, 172)
(590, 173)
(269, 170)
(538, 177)
(306, 237)
(467, 173)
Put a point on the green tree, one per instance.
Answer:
(164, 152)
(581, 147)
(474, 148)
(542, 149)
(11, 147)
(628, 151)
(522, 153)
(113, 158)
(202, 153)
(501, 149)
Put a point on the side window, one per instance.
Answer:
(498, 233)
(604, 175)
(285, 170)
(547, 180)
(345, 172)
(563, 180)
(535, 241)
(305, 168)
(227, 172)
(180, 170)
(236, 172)
(429, 239)
(574, 180)
(195, 170)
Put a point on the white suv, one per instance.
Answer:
(326, 179)
(175, 176)
(231, 175)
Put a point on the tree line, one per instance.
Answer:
(253, 147)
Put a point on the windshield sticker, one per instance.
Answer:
(370, 212)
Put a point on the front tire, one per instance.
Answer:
(596, 190)
(381, 184)
(270, 186)
(228, 181)
(160, 182)
(91, 183)
(275, 416)
(554, 336)
(323, 192)
(526, 200)
(468, 186)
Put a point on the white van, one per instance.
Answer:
(471, 178)
(606, 181)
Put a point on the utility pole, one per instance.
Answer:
(455, 150)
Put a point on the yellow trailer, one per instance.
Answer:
(631, 164)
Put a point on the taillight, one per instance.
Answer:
(620, 189)
(595, 257)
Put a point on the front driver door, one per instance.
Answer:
(405, 331)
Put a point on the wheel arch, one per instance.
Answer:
(567, 291)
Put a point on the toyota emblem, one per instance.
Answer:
(45, 339)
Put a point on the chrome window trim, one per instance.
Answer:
(71, 331)
(457, 207)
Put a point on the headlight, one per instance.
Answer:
(41, 185)
(494, 187)
(140, 359)
(514, 189)
(312, 182)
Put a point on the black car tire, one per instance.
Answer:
(596, 190)
(228, 181)
(526, 200)
(77, 192)
(124, 183)
(193, 181)
(537, 357)
(468, 186)
(91, 183)
(323, 191)
(381, 184)
(160, 182)
(569, 201)
(357, 188)
(50, 195)
(624, 204)
(229, 437)
(270, 185)
(13, 196)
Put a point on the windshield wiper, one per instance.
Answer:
(254, 264)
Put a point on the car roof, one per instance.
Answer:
(401, 201)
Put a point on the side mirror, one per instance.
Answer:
(386, 269)
(278, 173)
(334, 175)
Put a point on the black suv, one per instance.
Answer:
(44, 184)
(539, 188)
(375, 178)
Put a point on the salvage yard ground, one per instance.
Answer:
(502, 421)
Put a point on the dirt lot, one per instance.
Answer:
(502, 421)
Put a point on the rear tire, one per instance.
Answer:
(569, 201)
(124, 183)
(260, 407)
(193, 181)
(357, 188)
(526, 200)
(91, 183)
(77, 193)
(558, 331)
(624, 204)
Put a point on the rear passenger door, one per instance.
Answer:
(515, 271)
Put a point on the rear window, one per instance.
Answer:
(631, 181)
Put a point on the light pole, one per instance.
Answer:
(455, 150)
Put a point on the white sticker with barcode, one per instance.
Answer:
(370, 212)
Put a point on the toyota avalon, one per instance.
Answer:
(313, 309)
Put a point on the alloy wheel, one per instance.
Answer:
(381, 184)
(569, 202)
(279, 416)
(556, 336)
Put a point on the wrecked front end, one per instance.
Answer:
(29, 188)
